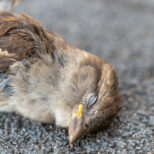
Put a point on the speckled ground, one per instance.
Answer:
(121, 32)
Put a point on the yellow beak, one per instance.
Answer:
(76, 129)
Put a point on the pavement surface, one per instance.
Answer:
(122, 33)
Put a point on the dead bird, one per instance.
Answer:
(50, 81)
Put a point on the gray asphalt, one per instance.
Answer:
(122, 33)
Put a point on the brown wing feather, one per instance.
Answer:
(23, 37)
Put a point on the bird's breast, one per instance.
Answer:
(62, 117)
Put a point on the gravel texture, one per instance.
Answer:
(122, 33)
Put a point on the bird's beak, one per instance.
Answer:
(76, 127)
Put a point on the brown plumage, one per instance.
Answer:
(50, 81)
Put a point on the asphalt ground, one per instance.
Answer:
(122, 33)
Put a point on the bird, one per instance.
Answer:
(48, 80)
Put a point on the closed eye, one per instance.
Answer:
(92, 100)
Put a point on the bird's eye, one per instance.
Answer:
(92, 100)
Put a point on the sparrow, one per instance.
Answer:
(48, 80)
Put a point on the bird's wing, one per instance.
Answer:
(22, 37)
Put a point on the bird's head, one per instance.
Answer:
(98, 105)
